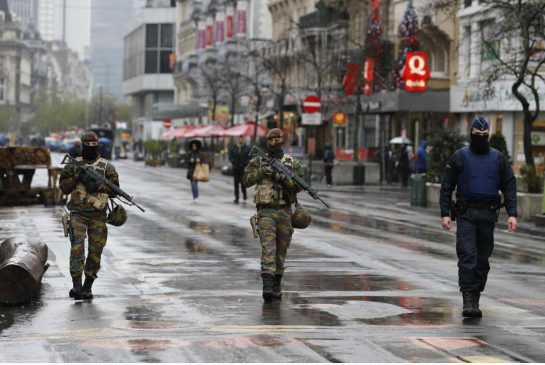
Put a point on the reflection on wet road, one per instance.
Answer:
(369, 281)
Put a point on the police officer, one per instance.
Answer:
(478, 173)
(88, 204)
(274, 195)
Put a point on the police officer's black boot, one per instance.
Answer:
(76, 290)
(277, 290)
(477, 298)
(268, 283)
(471, 308)
(86, 291)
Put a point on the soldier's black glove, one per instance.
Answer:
(91, 186)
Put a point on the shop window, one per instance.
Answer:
(499, 122)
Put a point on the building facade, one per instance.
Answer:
(213, 38)
(15, 70)
(148, 62)
(26, 12)
(472, 95)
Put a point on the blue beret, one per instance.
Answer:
(480, 123)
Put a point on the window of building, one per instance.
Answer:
(159, 46)
(490, 45)
(467, 3)
(2, 90)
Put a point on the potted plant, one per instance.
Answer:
(442, 144)
(154, 152)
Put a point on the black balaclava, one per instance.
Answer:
(479, 143)
(274, 149)
(89, 146)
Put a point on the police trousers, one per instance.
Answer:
(474, 245)
(275, 233)
(93, 225)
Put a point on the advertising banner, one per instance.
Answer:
(220, 27)
(209, 32)
(201, 34)
(241, 17)
(229, 18)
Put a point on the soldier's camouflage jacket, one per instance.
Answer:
(80, 200)
(267, 191)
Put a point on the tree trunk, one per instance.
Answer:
(356, 129)
(527, 137)
(233, 109)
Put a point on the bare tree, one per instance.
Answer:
(510, 39)
(212, 75)
(256, 78)
(278, 59)
(234, 82)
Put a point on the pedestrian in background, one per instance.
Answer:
(88, 215)
(239, 156)
(75, 151)
(421, 158)
(329, 161)
(403, 166)
(192, 158)
(478, 173)
(390, 165)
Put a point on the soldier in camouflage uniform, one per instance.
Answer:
(274, 195)
(87, 205)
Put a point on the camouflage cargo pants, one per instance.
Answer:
(94, 225)
(275, 233)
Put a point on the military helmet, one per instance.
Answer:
(300, 218)
(117, 216)
(89, 137)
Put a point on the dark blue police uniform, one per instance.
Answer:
(477, 176)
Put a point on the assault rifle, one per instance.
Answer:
(282, 169)
(93, 174)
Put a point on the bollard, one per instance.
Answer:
(22, 266)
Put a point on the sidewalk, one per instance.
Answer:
(523, 227)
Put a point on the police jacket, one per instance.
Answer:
(478, 178)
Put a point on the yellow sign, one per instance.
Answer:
(339, 119)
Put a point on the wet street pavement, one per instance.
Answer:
(371, 280)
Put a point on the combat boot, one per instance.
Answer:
(477, 295)
(76, 290)
(268, 283)
(277, 290)
(86, 291)
(471, 308)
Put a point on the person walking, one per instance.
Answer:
(274, 195)
(87, 205)
(403, 166)
(193, 158)
(239, 156)
(329, 161)
(421, 158)
(478, 173)
(75, 151)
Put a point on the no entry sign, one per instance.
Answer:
(312, 104)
